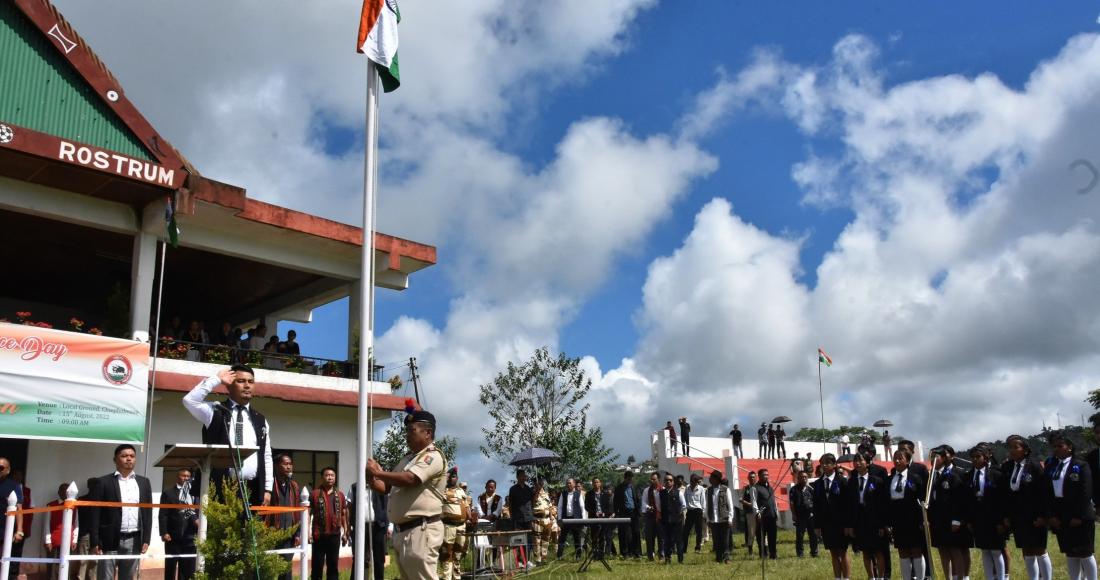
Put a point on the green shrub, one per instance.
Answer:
(234, 547)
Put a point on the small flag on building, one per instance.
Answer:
(824, 358)
(170, 226)
(378, 39)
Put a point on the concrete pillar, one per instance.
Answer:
(142, 288)
(355, 310)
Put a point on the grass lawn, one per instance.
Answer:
(787, 567)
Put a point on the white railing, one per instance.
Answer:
(70, 505)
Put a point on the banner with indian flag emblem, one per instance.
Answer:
(70, 386)
(378, 39)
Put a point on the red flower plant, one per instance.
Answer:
(76, 323)
(96, 331)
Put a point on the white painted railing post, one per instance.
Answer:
(66, 530)
(9, 531)
(303, 535)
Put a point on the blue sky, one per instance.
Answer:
(692, 197)
(674, 51)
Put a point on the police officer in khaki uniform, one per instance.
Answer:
(416, 489)
(455, 514)
(541, 506)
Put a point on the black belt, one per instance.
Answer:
(416, 522)
(128, 534)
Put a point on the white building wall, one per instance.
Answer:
(293, 425)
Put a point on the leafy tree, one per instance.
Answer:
(235, 547)
(539, 403)
(392, 447)
(830, 435)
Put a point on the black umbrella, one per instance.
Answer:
(883, 423)
(534, 456)
(781, 419)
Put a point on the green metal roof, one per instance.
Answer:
(42, 91)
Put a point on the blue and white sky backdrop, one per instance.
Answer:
(693, 196)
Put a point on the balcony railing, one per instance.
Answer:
(172, 348)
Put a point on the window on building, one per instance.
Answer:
(308, 465)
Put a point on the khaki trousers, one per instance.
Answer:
(418, 551)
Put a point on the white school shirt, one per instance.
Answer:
(902, 478)
(981, 482)
(1018, 472)
(1058, 480)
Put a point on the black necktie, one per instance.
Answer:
(1016, 475)
(862, 486)
(238, 429)
(185, 493)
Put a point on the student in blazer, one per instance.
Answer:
(986, 509)
(947, 514)
(906, 490)
(1028, 505)
(865, 501)
(1072, 513)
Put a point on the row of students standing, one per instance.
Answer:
(976, 507)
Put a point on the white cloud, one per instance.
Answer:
(950, 296)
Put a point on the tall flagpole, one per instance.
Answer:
(366, 319)
(821, 398)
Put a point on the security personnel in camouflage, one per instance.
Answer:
(455, 514)
(542, 507)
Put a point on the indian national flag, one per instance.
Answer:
(378, 39)
(824, 358)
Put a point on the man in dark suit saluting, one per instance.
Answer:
(123, 531)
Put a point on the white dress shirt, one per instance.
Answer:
(195, 402)
(712, 517)
(979, 477)
(565, 505)
(695, 497)
(902, 478)
(489, 511)
(129, 493)
(1058, 480)
(1018, 472)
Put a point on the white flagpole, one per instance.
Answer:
(821, 398)
(366, 320)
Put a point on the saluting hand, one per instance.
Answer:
(227, 376)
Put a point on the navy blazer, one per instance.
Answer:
(1032, 500)
(1076, 500)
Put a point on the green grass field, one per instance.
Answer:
(787, 567)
